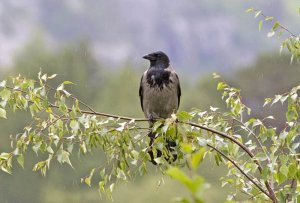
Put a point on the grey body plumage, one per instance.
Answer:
(160, 96)
(159, 92)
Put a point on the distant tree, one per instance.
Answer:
(73, 62)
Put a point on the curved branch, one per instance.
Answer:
(280, 25)
(106, 115)
(242, 146)
(241, 170)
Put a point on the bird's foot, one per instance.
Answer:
(151, 118)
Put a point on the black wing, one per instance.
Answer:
(141, 93)
(178, 90)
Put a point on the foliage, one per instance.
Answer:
(74, 62)
(291, 43)
(262, 162)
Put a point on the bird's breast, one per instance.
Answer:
(160, 97)
(158, 78)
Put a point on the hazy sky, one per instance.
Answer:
(198, 35)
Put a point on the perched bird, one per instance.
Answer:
(159, 94)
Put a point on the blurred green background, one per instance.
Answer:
(248, 61)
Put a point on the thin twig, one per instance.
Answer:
(241, 145)
(73, 97)
(280, 25)
(241, 170)
(256, 138)
(106, 115)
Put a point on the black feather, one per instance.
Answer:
(178, 90)
(158, 78)
(141, 93)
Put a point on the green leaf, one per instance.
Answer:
(276, 99)
(184, 116)
(68, 82)
(87, 180)
(284, 170)
(271, 34)
(283, 98)
(20, 160)
(265, 174)
(215, 75)
(179, 175)
(292, 58)
(257, 14)
(5, 94)
(37, 147)
(186, 147)
(291, 114)
(292, 171)
(50, 150)
(6, 169)
(260, 25)
(294, 96)
(157, 125)
(218, 159)
(261, 156)
(74, 125)
(4, 156)
(197, 158)
(298, 175)
(201, 141)
(2, 113)
(63, 157)
(66, 93)
(112, 187)
(213, 108)
(158, 160)
(221, 86)
(249, 10)
(44, 77)
(267, 101)
(269, 18)
(52, 76)
(3, 83)
(281, 177)
(275, 26)
(60, 87)
(102, 173)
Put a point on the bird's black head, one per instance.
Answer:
(158, 59)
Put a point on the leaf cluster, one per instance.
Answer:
(262, 162)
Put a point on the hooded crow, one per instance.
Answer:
(159, 94)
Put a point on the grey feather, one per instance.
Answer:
(159, 102)
(159, 96)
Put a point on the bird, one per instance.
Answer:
(159, 94)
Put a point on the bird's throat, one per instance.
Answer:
(158, 77)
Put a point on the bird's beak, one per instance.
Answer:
(149, 57)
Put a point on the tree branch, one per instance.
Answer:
(107, 115)
(241, 170)
(256, 138)
(280, 25)
(271, 191)
(241, 145)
